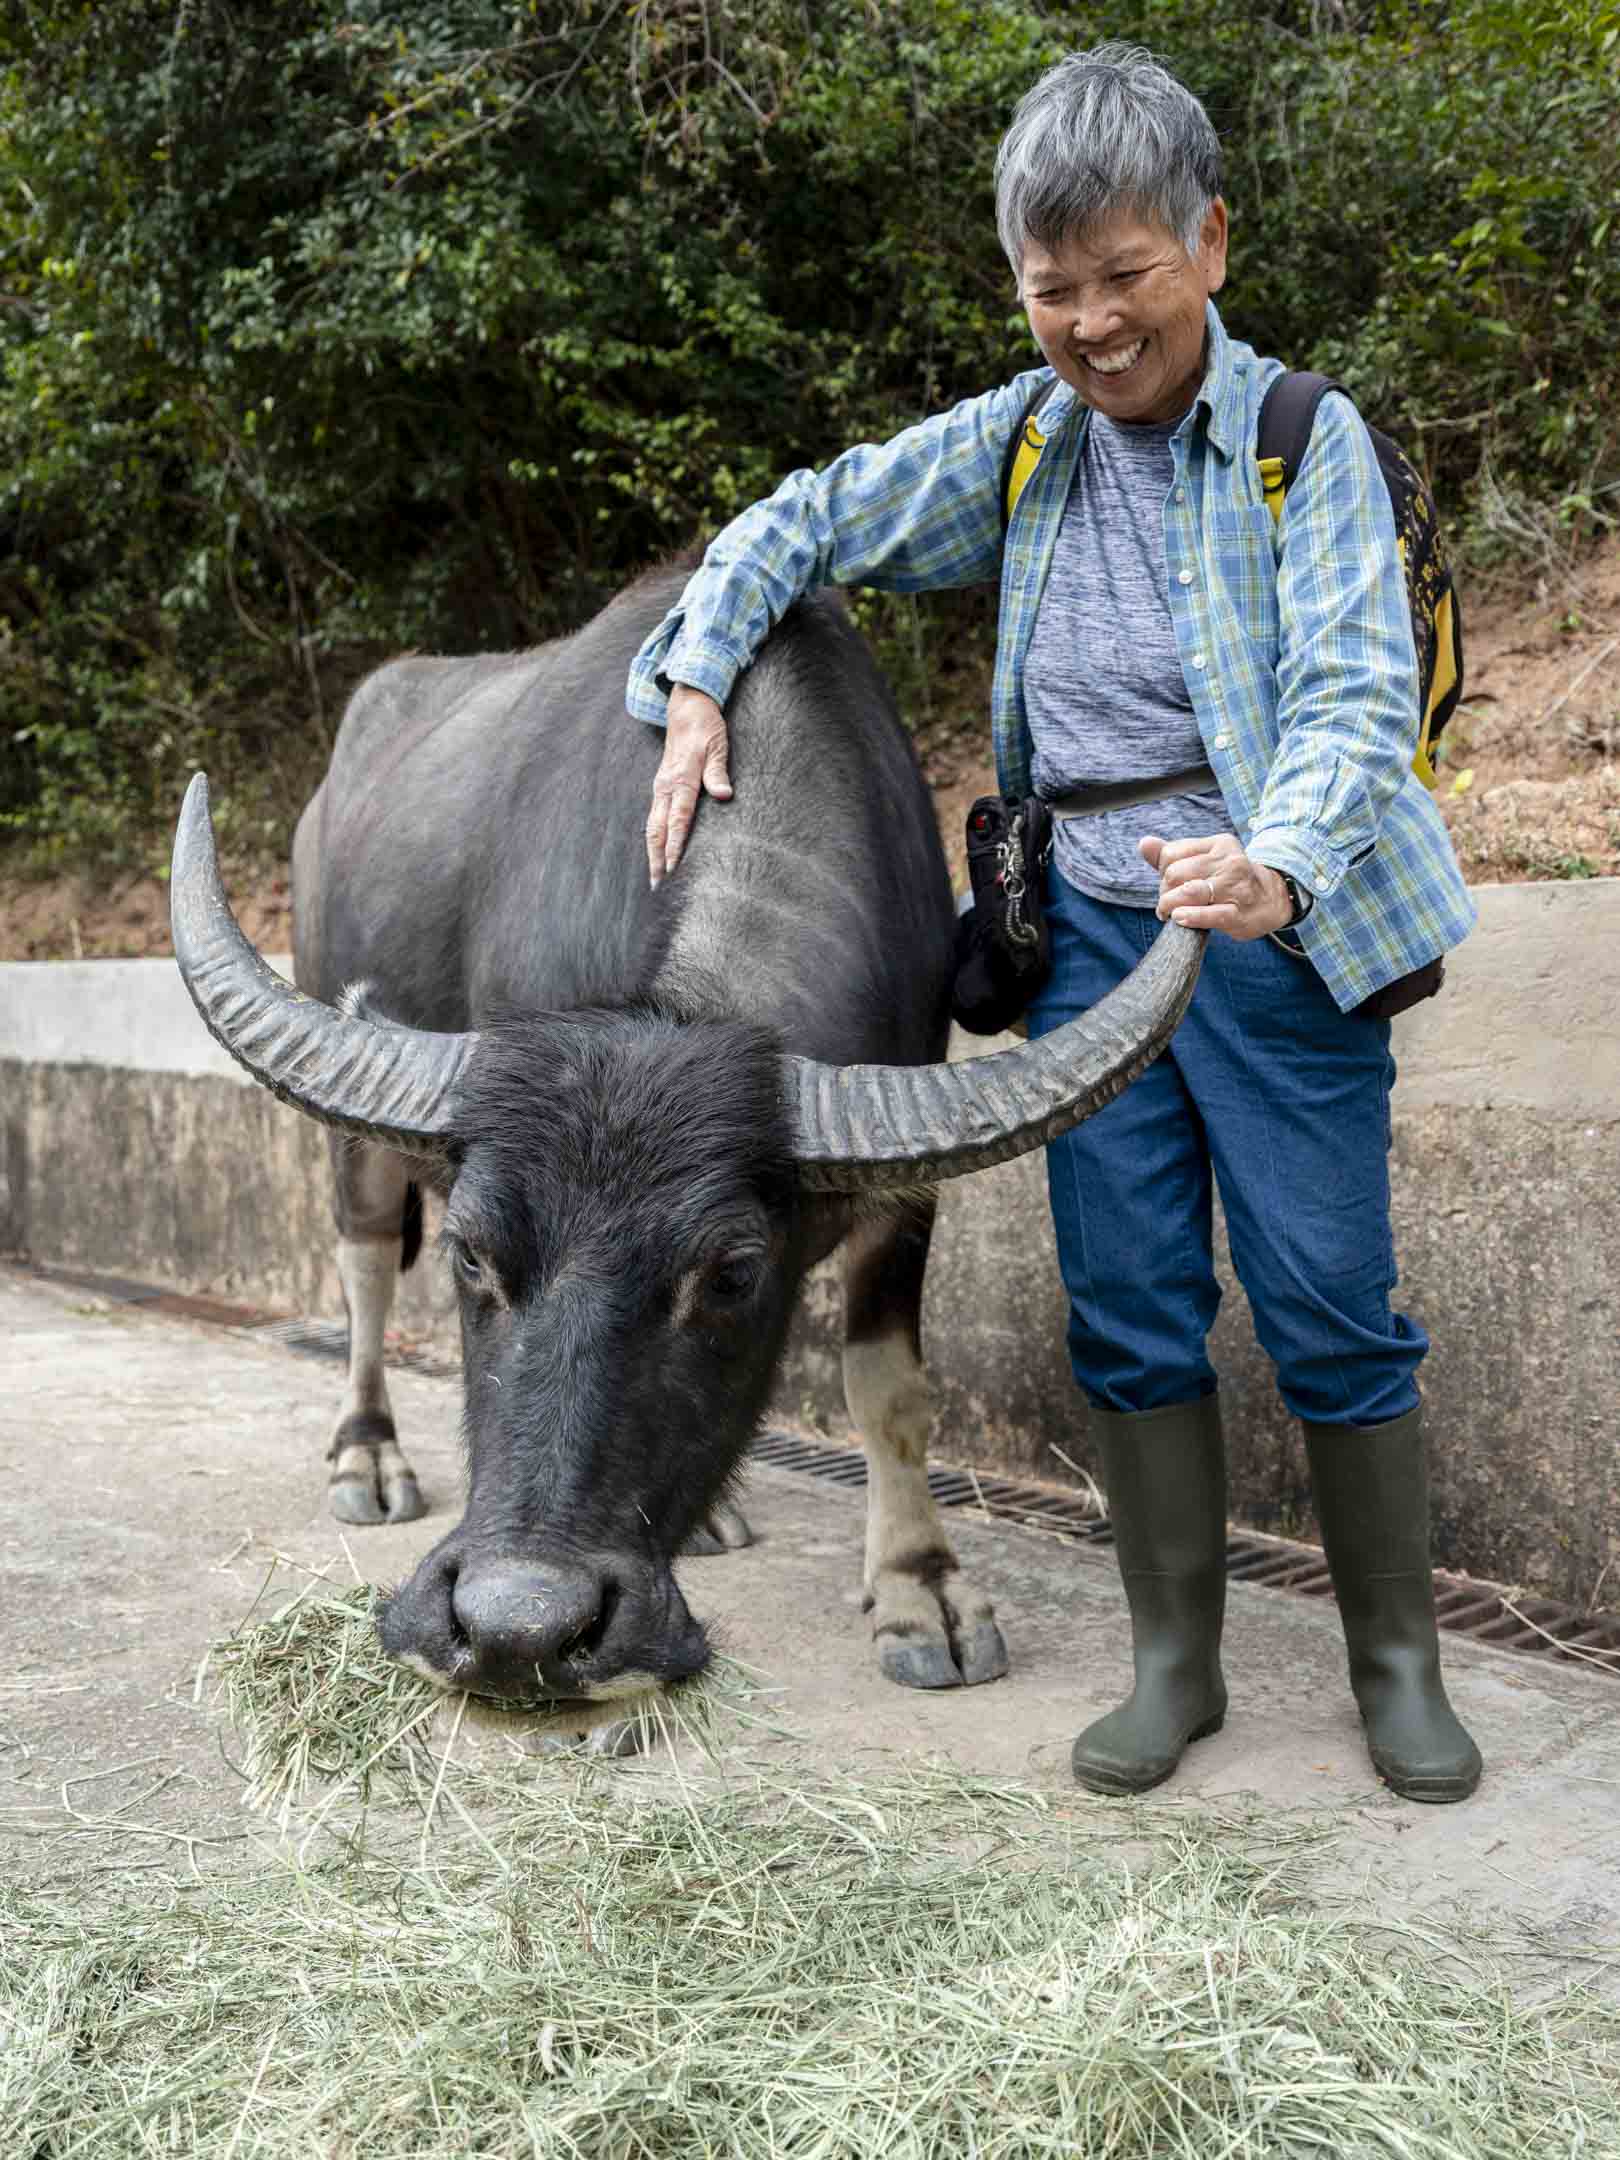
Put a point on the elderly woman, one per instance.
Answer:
(1243, 699)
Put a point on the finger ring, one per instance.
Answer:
(1209, 887)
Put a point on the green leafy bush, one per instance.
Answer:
(330, 329)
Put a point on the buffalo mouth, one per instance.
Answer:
(579, 1712)
(525, 1635)
(614, 1698)
(586, 1709)
(561, 1719)
(570, 1714)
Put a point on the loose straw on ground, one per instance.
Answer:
(921, 1968)
(319, 1708)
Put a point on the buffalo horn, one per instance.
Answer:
(866, 1127)
(367, 1077)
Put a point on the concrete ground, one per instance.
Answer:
(149, 1464)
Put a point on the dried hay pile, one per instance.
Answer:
(583, 1960)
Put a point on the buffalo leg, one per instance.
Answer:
(723, 1529)
(933, 1628)
(371, 1480)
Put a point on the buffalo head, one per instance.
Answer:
(624, 1236)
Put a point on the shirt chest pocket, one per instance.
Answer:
(1241, 553)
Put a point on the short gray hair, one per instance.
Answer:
(1109, 129)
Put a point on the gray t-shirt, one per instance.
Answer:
(1103, 685)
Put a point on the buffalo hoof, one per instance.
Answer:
(354, 1500)
(933, 1628)
(919, 1665)
(371, 1480)
(725, 1529)
(621, 1738)
(377, 1499)
(983, 1656)
(402, 1497)
(953, 1663)
(618, 1738)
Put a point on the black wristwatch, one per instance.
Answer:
(1300, 901)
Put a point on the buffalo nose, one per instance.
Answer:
(530, 1629)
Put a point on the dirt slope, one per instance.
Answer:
(1530, 784)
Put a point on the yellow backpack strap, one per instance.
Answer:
(1025, 459)
(1283, 432)
(1286, 416)
(1273, 485)
(1445, 681)
(1023, 453)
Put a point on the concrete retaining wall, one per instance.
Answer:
(130, 1145)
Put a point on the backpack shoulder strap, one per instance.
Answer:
(1287, 416)
(1024, 449)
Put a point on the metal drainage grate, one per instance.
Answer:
(330, 1339)
(150, 1297)
(951, 1488)
(117, 1289)
(310, 1338)
(327, 1339)
(1536, 1627)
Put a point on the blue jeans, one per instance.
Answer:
(1286, 1100)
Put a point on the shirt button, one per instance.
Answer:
(1181, 494)
(1183, 577)
(1220, 742)
(1200, 660)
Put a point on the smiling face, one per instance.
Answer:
(1118, 311)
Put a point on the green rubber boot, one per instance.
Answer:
(1166, 1476)
(1371, 1484)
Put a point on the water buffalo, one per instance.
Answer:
(649, 1112)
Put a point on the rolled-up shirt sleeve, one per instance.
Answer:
(917, 513)
(1347, 681)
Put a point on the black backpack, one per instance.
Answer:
(1286, 419)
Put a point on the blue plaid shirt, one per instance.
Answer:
(1294, 639)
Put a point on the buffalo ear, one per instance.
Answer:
(395, 1085)
(872, 1127)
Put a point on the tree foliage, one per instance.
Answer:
(330, 326)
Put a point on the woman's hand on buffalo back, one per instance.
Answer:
(694, 763)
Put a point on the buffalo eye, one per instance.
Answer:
(732, 1281)
(469, 1271)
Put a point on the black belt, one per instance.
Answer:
(1126, 794)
